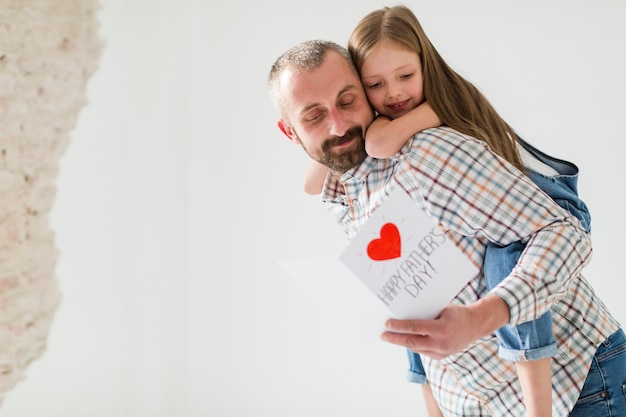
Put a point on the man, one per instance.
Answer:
(322, 107)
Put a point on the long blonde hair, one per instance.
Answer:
(456, 101)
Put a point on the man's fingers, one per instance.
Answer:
(416, 327)
(402, 339)
(416, 343)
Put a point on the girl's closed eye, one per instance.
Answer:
(406, 76)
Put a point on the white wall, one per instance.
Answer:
(178, 194)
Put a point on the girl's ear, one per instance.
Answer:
(288, 131)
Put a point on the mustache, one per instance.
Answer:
(354, 132)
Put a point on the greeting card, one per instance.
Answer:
(400, 265)
(407, 262)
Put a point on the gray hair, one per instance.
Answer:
(303, 57)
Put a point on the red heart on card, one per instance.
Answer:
(388, 246)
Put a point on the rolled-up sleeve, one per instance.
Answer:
(469, 190)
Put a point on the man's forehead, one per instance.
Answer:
(316, 87)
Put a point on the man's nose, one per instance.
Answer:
(339, 124)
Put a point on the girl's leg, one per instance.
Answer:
(418, 375)
(536, 380)
(432, 408)
(530, 345)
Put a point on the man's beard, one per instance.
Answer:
(343, 160)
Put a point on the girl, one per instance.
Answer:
(412, 88)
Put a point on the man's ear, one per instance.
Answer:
(288, 131)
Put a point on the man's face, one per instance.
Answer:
(327, 113)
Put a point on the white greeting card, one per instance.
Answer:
(407, 261)
(400, 265)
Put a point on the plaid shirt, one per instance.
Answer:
(478, 197)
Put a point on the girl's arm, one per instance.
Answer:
(385, 137)
(314, 177)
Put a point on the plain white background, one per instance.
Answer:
(178, 195)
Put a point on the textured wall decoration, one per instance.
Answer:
(48, 51)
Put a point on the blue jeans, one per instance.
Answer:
(604, 391)
(532, 340)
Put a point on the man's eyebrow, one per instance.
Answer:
(341, 92)
(346, 89)
(309, 107)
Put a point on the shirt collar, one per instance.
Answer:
(334, 186)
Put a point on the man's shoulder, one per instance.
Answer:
(440, 132)
(440, 137)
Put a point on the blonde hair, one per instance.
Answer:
(456, 101)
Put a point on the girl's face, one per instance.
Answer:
(392, 77)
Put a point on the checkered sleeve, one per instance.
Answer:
(470, 190)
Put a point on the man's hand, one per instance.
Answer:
(456, 327)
